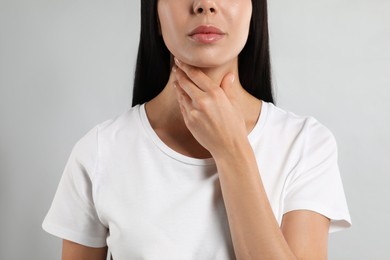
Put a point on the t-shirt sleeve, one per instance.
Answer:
(72, 215)
(316, 183)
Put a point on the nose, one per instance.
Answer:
(205, 7)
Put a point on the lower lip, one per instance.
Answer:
(207, 37)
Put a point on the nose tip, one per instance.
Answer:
(201, 10)
(204, 7)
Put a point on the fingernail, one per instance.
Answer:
(177, 62)
(174, 68)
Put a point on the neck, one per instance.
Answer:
(216, 74)
(164, 110)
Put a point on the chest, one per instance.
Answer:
(158, 208)
(153, 214)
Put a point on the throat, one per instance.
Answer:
(168, 123)
(183, 143)
(170, 127)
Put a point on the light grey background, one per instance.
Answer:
(67, 65)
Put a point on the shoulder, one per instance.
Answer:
(124, 123)
(317, 146)
(288, 123)
(301, 136)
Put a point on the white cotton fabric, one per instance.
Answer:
(123, 187)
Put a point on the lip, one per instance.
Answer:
(206, 34)
(206, 29)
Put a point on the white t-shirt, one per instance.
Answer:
(125, 188)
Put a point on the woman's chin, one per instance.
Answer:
(206, 63)
(204, 60)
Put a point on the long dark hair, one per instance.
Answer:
(153, 61)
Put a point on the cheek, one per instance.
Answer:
(240, 18)
(170, 22)
(243, 15)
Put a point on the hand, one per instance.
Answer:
(209, 110)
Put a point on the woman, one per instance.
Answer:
(203, 166)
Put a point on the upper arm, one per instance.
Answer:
(306, 232)
(74, 251)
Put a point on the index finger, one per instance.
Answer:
(197, 76)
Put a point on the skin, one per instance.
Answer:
(74, 251)
(203, 112)
(178, 18)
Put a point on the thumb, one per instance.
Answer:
(227, 81)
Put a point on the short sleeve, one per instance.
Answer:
(316, 183)
(72, 215)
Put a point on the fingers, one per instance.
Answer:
(201, 80)
(227, 81)
(184, 101)
(196, 88)
(187, 85)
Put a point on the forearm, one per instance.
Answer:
(253, 227)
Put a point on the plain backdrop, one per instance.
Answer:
(67, 65)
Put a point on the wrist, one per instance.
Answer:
(237, 150)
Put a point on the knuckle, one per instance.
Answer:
(193, 115)
(214, 92)
(203, 103)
